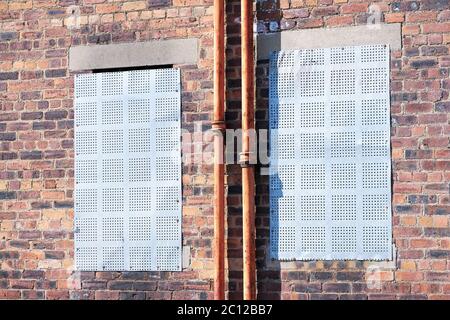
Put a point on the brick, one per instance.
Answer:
(419, 107)
(437, 210)
(7, 136)
(9, 255)
(435, 142)
(56, 73)
(435, 4)
(94, 1)
(436, 27)
(418, 154)
(324, 11)
(442, 107)
(120, 285)
(145, 285)
(307, 287)
(33, 274)
(354, 8)
(339, 20)
(426, 63)
(53, 195)
(437, 232)
(8, 195)
(106, 8)
(55, 255)
(422, 199)
(19, 244)
(405, 6)
(9, 76)
(408, 276)
(7, 36)
(336, 287)
(8, 155)
(55, 154)
(297, 275)
(158, 3)
(439, 254)
(99, 39)
(56, 115)
(296, 13)
(63, 204)
(134, 6)
(30, 95)
(434, 50)
(350, 276)
(52, 214)
(31, 155)
(394, 17)
(321, 276)
(31, 115)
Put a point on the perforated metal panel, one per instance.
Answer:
(330, 175)
(128, 171)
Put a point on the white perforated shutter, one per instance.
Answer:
(330, 177)
(128, 171)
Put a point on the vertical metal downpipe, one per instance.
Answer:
(218, 126)
(248, 125)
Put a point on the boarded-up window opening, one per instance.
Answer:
(128, 188)
(330, 177)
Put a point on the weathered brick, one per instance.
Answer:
(8, 195)
(425, 63)
(439, 254)
(31, 115)
(435, 4)
(307, 287)
(56, 255)
(9, 76)
(7, 36)
(296, 13)
(30, 95)
(31, 155)
(99, 38)
(350, 276)
(7, 136)
(55, 73)
(422, 199)
(324, 11)
(145, 285)
(9, 255)
(442, 107)
(336, 287)
(158, 3)
(33, 274)
(321, 276)
(120, 285)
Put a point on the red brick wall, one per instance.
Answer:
(36, 146)
(420, 108)
(36, 151)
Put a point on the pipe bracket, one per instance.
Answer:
(218, 126)
(245, 159)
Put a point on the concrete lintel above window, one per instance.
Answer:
(125, 55)
(389, 34)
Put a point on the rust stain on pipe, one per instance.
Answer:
(218, 126)
(248, 124)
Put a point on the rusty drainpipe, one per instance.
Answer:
(248, 126)
(218, 125)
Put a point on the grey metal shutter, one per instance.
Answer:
(330, 175)
(128, 171)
